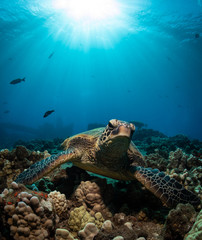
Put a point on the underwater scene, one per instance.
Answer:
(100, 120)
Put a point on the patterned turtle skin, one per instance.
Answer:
(110, 152)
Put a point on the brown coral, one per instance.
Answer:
(60, 203)
(89, 195)
(89, 232)
(190, 179)
(179, 222)
(63, 234)
(15, 161)
(28, 218)
(79, 217)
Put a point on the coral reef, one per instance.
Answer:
(179, 160)
(179, 222)
(63, 234)
(52, 146)
(185, 168)
(89, 194)
(24, 212)
(79, 217)
(60, 203)
(196, 232)
(28, 216)
(89, 232)
(15, 161)
(76, 205)
(129, 230)
(148, 141)
(156, 160)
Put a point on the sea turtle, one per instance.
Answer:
(110, 152)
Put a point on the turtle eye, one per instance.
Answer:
(110, 125)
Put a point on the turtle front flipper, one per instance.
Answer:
(167, 189)
(43, 167)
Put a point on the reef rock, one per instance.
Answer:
(179, 222)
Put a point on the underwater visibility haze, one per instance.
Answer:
(92, 61)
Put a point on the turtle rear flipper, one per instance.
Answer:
(43, 167)
(167, 189)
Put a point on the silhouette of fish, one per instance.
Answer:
(6, 111)
(197, 35)
(18, 80)
(48, 113)
(50, 56)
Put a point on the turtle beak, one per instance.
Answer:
(125, 131)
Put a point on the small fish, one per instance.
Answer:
(7, 111)
(48, 113)
(50, 56)
(197, 35)
(18, 80)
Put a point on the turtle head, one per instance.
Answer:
(116, 137)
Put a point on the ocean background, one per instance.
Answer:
(143, 63)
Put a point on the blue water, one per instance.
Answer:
(144, 65)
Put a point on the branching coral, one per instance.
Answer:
(180, 160)
(155, 160)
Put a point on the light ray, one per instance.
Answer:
(91, 22)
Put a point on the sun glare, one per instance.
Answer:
(90, 22)
(88, 10)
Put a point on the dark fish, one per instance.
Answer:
(18, 80)
(50, 56)
(7, 111)
(197, 35)
(48, 113)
